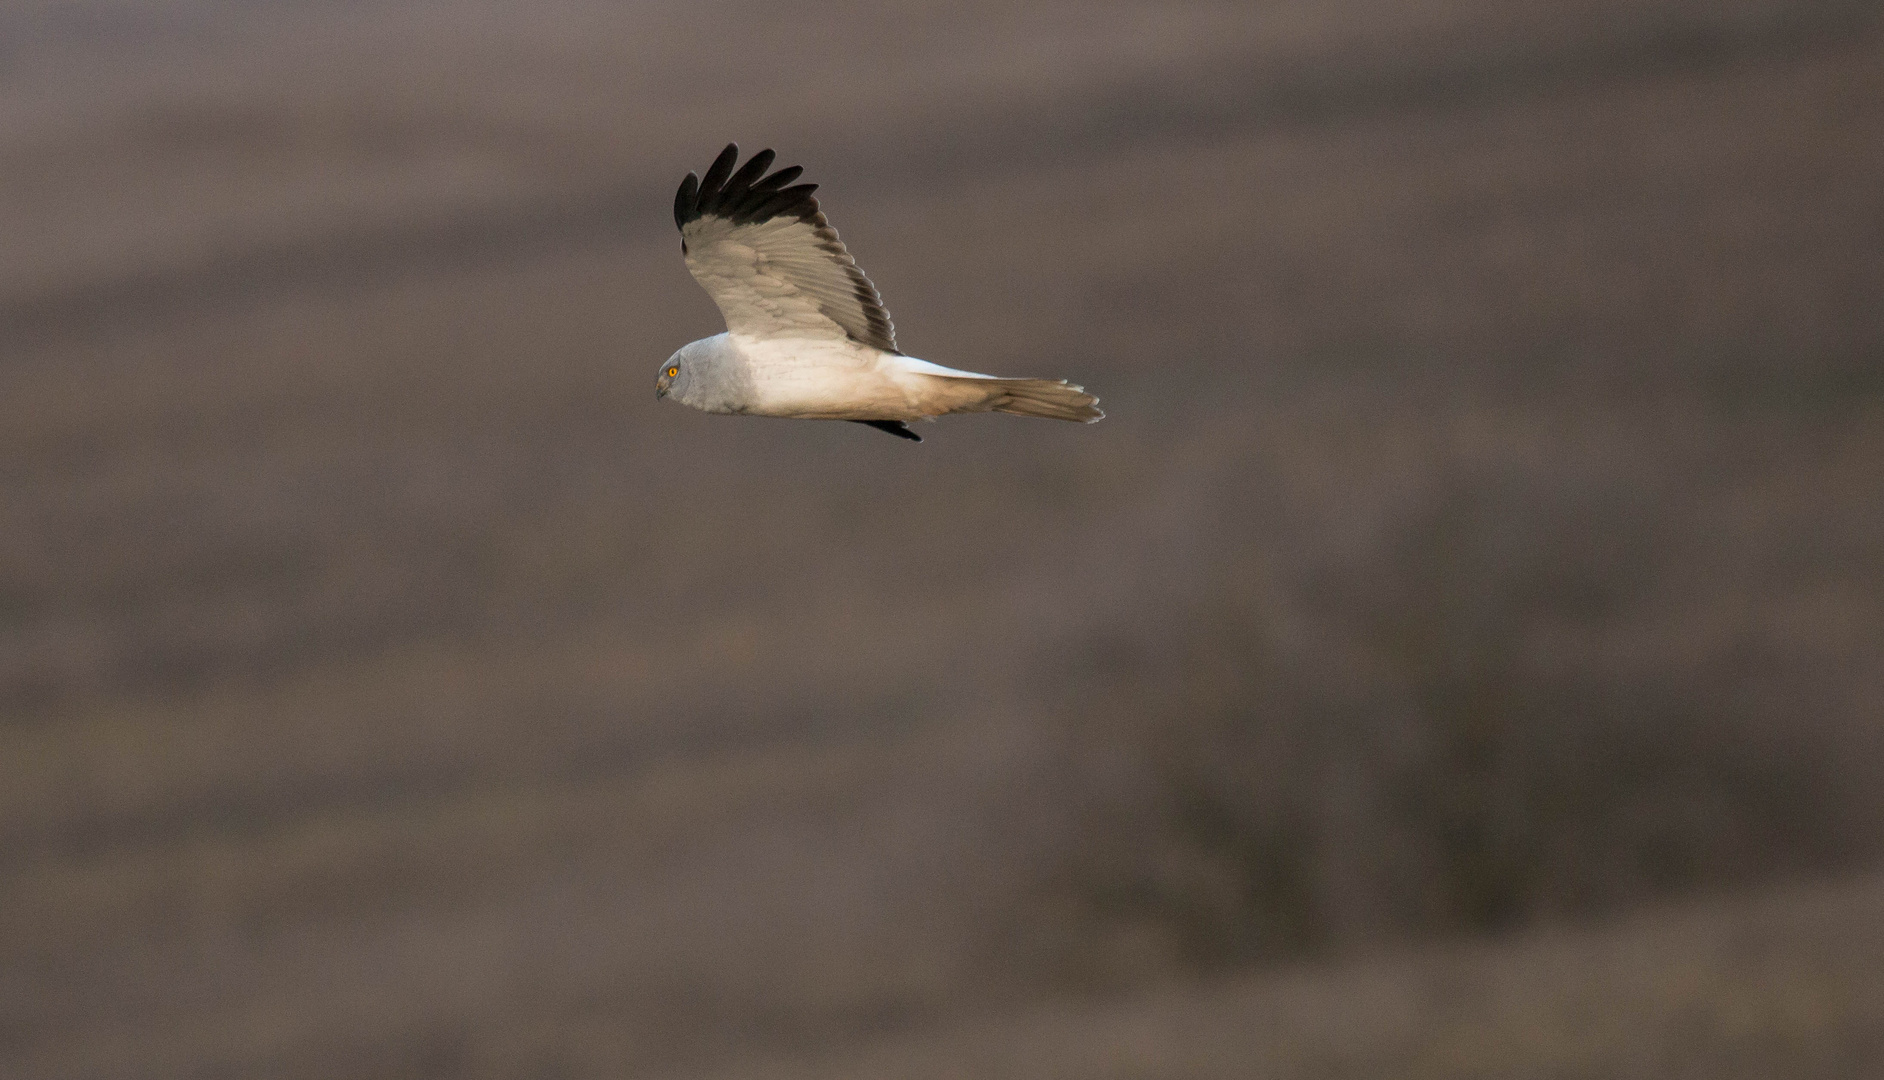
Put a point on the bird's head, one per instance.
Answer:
(681, 376)
(701, 375)
(671, 375)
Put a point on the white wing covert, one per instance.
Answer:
(766, 255)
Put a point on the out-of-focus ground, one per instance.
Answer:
(1457, 654)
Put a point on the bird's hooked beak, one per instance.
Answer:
(660, 386)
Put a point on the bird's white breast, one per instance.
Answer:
(815, 377)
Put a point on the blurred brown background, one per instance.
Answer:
(1457, 654)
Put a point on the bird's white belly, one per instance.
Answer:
(827, 379)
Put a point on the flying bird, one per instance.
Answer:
(806, 333)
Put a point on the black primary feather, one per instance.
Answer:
(687, 201)
(716, 173)
(741, 182)
(894, 427)
(746, 197)
(780, 178)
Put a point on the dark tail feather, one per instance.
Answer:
(894, 427)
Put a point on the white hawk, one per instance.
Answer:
(806, 333)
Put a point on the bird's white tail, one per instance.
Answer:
(1053, 399)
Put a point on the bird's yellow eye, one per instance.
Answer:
(673, 372)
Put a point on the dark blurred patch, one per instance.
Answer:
(1441, 732)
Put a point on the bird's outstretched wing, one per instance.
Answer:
(765, 253)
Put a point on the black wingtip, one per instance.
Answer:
(895, 427)
(744, 197)
(687, 201)
(721, 168)
(748, 173)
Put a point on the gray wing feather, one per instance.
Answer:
(773, 264)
